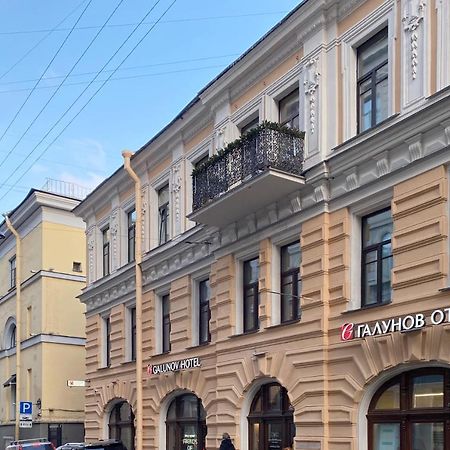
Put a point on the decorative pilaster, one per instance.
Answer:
(114, 229)
(311, 84)
(412, 19)
(91, 254)
(176, 196)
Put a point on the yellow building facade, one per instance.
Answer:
(52, 318)
(295, 285)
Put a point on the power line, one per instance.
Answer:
(121, 25)
(58, 87)
(92, 96)
(40, 41)
(81, 74)
(129, 77)
(45, 70)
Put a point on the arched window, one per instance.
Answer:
(121, 424)
(411, 412)
(271, 419)
(186, 424)
(10, 333)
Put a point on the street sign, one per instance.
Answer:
(76, 383)
(26, 408)
(25, 423)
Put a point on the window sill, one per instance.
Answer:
(363, 308)
(203, 344)
(244, 333)
(283, 324)
(131, 361)
(103, 368)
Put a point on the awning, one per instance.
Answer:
(11, 380)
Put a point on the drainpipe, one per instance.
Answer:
(137, 264)
(18, 321)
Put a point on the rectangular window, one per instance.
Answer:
(133, 334)
(163, 214)
(204, 314)
(289, 110)
(290, 282)
(376, 258)
(107, 347)
(105, 246)
(251, 295)
(131, 216)
(373, 81)
(12, 272)
(250, 125)
(165, 300)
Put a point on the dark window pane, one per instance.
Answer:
(381, 100)
(386, 436)
(251, 271)
(289, 110)
(131, 235)
(290, 282)
(365, 108)
(274, 397)
(166, 323)
(251, 295)
(390, 398)
(428, 391)
(250, 125)
(204, 311)
(290, 256)
(373, 53)
(428, 436)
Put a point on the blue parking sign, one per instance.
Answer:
(26, 407)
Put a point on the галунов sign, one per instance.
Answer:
(351, 331)
(174, 366)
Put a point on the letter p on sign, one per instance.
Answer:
(26, 408)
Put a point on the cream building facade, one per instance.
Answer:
(296, 288)
(52, 334)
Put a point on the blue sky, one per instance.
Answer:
(191, 44)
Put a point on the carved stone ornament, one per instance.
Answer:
(91, 254)
(311, 84)
(114, 227)
(176, 191)
(144, 208)
(414, 13)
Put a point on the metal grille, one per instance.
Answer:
(269, 149)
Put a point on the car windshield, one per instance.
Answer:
(37, 446)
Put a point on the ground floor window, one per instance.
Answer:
(411, 412)
(121, 424)
(186, 424)
(271, 419)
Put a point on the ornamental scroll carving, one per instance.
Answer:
(412, 19)
(144, 209)
(114, 228)
(91, 254)
(311, 84)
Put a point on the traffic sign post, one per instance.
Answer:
(26, 415)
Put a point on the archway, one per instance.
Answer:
(411, 411)
(121, 424)
(186, 423)
(271, 419)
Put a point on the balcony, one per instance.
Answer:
(258, 169)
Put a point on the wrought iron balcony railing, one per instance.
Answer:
(262, 149)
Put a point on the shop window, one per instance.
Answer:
(12, 272)
(411, 412)
(131, 234)
(376, 258)
(290, 288)
(251, 295)
(163, 214)
(204, 312)
(166, 326)
(372, 77)
(121, 424)
(106, 251)
(186, 424)
(289, 110)
(271, 419)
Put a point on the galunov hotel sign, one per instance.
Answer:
(351, 330)
(174, 366)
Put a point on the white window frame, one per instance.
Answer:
(163, 180)
(196, 279)
(357, 212)
(159, 294)
(350, 41)
(277, 242)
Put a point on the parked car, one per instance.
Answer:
(31, 444)
(109, 444)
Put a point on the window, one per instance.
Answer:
(204, 294)
(121, 424)
(12, 272)
(12, 336)
(165, 300)
(105, 245)
(373, 81)
(9, 338)
(290, 282)
(131, 218)
(186, 423)
(376, 258)
(251, 295)
(411, 412)
(201, 161)
(271, 419)
(250, 125)
(289, 110)
(133, 334)
(107, 341)
(163, 214)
